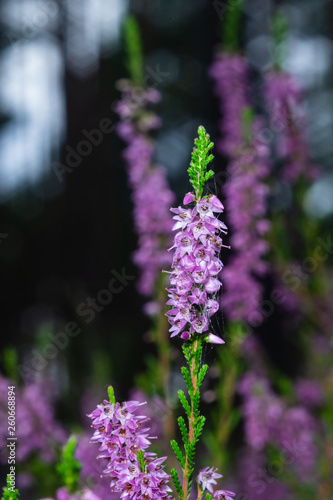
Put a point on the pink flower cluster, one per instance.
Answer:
(121, 435)
(196, 267)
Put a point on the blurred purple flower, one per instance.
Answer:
(309, 393)
(245, 190)
(246, 195)
(284, 99)
(268, 420)
(37, 430)
(151, 194)
(230, 73)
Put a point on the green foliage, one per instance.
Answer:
(187, 377)
(134, 50)
(184, 402)
(230, 28)
(9, 357)
(247, 121)
(8, 494)
(200, 422)
(208, 496)
(141, 459)
(111, 395)
(202, 373)
(69, 467)
(178, 453)
(280, 27)
(177, 484)
(183, 429)
(200, 159)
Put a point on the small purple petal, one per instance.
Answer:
(189, 197)
(214, 339)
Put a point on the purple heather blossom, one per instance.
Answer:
(36, 428)
(297, 437)
(244, 190)
(206, 478)
(246, 195)
(196, 266)
(269, 420)
(122, 434)
(151, 194)
(284, 98)
(214, 339)
(230, 73)
(223, 495)
(309, 393)
(257, 480)
(262, 411)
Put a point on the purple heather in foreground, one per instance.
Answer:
(196, 267)
(123, 439)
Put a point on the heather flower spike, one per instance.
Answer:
(194, 283)
(197, 243)
(123, 438)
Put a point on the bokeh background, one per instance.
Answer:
(60, 239)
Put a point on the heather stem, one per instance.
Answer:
(199, 492)
(194, 375)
